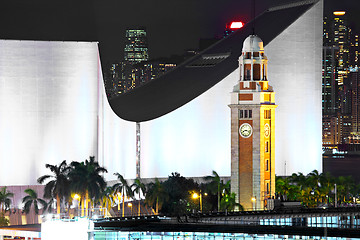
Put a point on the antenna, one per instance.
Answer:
(253, 17)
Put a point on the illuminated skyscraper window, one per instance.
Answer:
(136, 46)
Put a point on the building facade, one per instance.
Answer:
(136, 46)
(253, 129)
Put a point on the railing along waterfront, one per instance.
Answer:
(336, 222)
(346, 217)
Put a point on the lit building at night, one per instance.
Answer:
(330, 101)
(340, 90)
(253, 129)
(136, 46)
(355, 114)
(339, 36)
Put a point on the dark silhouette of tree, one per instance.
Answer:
(138, 187)
(215, 186)
(107, 199)
(86, 180)
(123, 188)
(32, 200)
(156, 195)
(58, 186)
(3, 221)
(228, 203)
(5, 199)
(179, 189)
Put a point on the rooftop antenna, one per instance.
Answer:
(253, 17)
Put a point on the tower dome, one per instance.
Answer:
(253, 44)
(253, 62)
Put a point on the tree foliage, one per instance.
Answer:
(58, 185)
(3, 220)
(32, 200)
(86, 178)
(316, 189)
(5, 199)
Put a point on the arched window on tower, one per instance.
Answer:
(256, 71)
(247, 72)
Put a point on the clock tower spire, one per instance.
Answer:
(253, 129)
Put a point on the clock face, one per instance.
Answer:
(245, 130)
(267, 130)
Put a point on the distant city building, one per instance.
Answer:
(330, 102)
(136, 69)
(329, 124)
(343, 127)
(147, 71)
(136, 46)
(355, 82)
(340, 37)
(340, 86)
(354, 51)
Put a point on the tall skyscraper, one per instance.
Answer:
(136, 46)
(336, 63)
(354, 51)
(340, 81)
(330, 102)
(355, 82)
(253, 129)
(340, 37)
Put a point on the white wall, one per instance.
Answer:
(295, 73)
(48, 106)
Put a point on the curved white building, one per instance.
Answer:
(53, 107)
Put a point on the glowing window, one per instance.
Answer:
(267, 114)
(266, 146)
(267, 163)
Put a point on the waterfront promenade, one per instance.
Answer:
(332, 222)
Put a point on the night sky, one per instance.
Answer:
(172, 26)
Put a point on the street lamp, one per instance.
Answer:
(118, 195)
(77, 197)
(253, 199)
(130, 206)
(195, 196)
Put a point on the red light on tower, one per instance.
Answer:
(236, 25)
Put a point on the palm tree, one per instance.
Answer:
(107, 199)
(123, 188)
(32, 200)
(5, 200)
(50, 206)
(156, 195)
(86, 180)
(215, 186)
(286, 189)
(59, 186)
(3, 221)
(228, 202)
(327, 185)
(344, 186)
(138, 187)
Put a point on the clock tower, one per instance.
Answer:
(253, 129)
